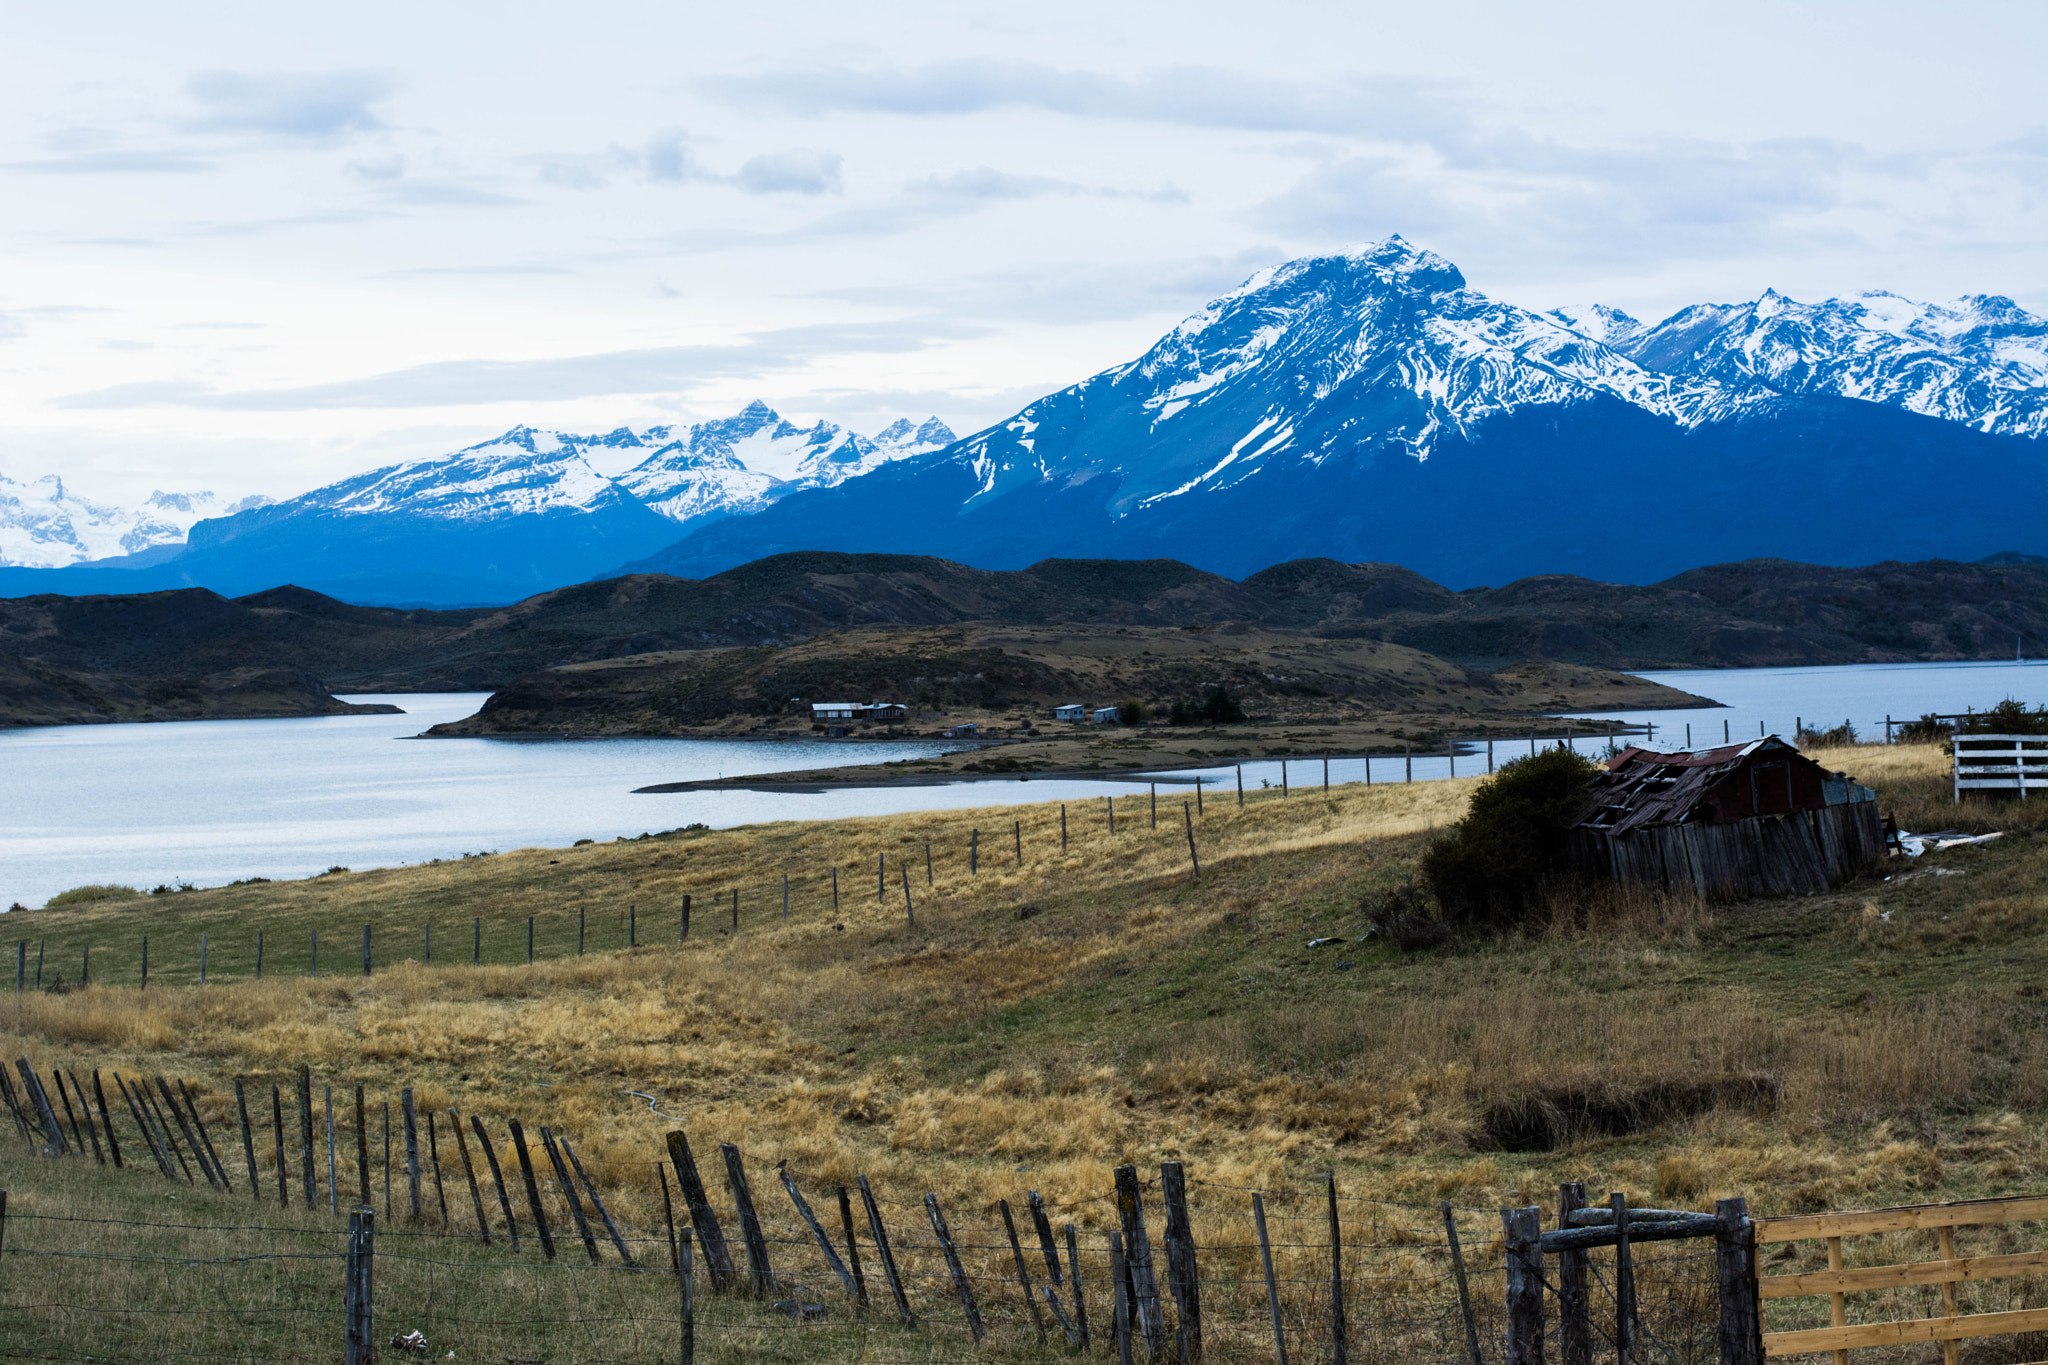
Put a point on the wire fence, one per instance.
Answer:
(76, 1288)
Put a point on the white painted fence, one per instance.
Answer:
(2001, 763)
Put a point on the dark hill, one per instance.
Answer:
(1753, 613)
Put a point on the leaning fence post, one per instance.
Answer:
(881, 1234)
(750, 1224)
(1272, 1285)
(99, 1094)
(1193, 857)
(953, 1266)
(483, 1140)
(803, 1210)
(717, 1261)
(1464, 1289)
(356, 1312)
(540, 1217)
(1574, 1302)
(1524, 1237)
(569, 1192)
(306, 1157)
(1023, 1275)
(476, 1195)
(860, 1281)
(1735, 1259)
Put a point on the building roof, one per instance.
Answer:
(1652, 787)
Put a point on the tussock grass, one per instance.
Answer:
(1039, 1023)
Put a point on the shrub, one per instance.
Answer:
(1501, 860)
(1131, 711)
(1929, 729)
(98, 891)
(1841, 736)
(1216, 707)
(2009, 717)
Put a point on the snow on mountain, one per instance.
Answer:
(1380, 349)
(1369, 405)
(1981, 360)
(44, 524)
(1608, 326)
(742, 463)
(522, 472)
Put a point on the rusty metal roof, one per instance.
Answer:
(1651, 787)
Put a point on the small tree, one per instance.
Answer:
(1215, 707)
(1491, 866)
(1131, 711)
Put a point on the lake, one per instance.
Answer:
(212, 801)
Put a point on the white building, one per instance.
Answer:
(1074, 713)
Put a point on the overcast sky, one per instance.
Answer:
(254, 247)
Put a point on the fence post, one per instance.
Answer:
(684, 936)
(366, 950)
(1138, 1259)
(1193, 857)
(356, 1309)
(1624, 1282)
(1120, 1298)
(1574, 1303)
(803, 1209)
(1464, 1289)
(412, 1153)
(540, 1217)
(881, 1235)
(1181, 1274)
(1340, 1351)
(307, 1160)
(1074, 1280)
(750, 1224)
(529, 940)
(717, 1262)
(1272, 1285)
(945, 1236)
(476, 946)
(860, 1281)
(1524, 1231)
(1023, 1275)
(1735, 1259)
(686, 1274)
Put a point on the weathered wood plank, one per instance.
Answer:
(1907, 1218)
(1814, 1340)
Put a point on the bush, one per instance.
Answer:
(1840, 737)
(1929, 729)
(1131, 711)
(1216, 707)
(98, 891)
(2009, 717)
(1502, 859)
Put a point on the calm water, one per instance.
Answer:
(211, 801)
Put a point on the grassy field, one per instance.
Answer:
(1039, 1022)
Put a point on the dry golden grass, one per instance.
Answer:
(1040, 1023)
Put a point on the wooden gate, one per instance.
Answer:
(2001, 763)
(1950, 1270)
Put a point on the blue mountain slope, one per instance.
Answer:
(1368, 406)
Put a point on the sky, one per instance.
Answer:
(253, 248)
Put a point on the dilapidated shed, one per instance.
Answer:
(1752, 819)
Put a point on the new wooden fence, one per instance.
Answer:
(1895, 1228)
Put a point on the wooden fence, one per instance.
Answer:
(1837, 1282)
(2012, 763)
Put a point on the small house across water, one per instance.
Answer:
(1752, 819)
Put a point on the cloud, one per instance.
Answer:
(377, 168)
(1668, 200)
(12, 327)
(653, 370)
(667, 156)
(139, 162)
(1197, 96)
(801, 171)
(312, 105)
(447, 194)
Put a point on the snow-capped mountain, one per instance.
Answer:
(524, 511)
(44, 524)
(740, 464)
(1981, 360)
(1368, 405)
